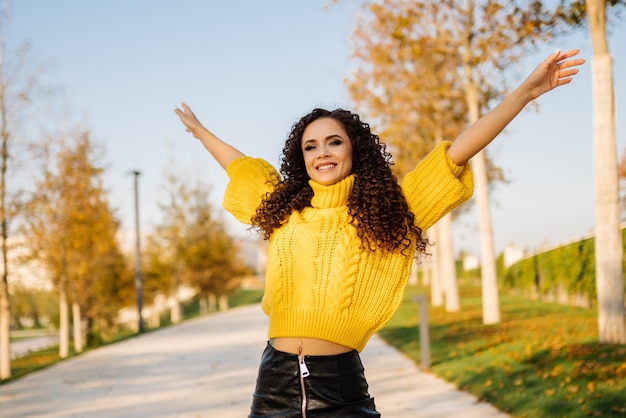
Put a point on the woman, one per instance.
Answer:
(342, 234)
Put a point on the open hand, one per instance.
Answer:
(556, 70)
(188, 118)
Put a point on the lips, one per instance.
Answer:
(324, 167)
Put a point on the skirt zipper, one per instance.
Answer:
(304, 372)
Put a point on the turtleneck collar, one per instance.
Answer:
(332, 196)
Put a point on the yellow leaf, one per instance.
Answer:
(572, 388)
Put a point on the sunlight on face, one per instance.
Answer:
(327, 151)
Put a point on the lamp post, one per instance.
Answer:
(138, 278)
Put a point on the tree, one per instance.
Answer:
(211, 260)
(156, 276)
(169, 238)
(404, 85)
(73, 233)
(18, 88)
(474, 41)
(608, 238)
(191, 246)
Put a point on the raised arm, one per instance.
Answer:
(556, 70)
(220, 150)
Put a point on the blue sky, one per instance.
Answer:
(250, 69)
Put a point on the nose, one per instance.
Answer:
(324, 151)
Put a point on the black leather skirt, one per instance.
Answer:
(311, 386)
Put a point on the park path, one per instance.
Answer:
(206, 367)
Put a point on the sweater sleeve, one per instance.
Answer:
(436, 186)
(250, 181)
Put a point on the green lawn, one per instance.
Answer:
(541, 361)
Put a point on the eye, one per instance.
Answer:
(309, 147)
(336, 142)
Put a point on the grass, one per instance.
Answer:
(542, 360)
(38, 360)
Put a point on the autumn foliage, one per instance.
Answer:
(73, 232)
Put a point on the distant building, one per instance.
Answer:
(470, 262)
(513, 254)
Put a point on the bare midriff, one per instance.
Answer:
(308, 346)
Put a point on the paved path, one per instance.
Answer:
(206, 367)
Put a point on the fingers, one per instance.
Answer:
(569, 54)
(568, 73)
(566, 76)
(185, 112)
(557, 56)
(571, 63)
(184, 106)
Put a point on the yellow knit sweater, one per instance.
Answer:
(319, 282)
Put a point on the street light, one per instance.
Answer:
(138, 278)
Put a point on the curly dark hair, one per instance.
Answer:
(377, 205)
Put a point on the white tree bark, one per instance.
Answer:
(175, 309)
(64, 324)
(77, 328)
(212, 302)
(426, 273)
(448, 269)
(489, 279)
(223, 302)
(608, 236)
(436, 285)
(5, 332)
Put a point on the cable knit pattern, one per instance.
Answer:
(319, 282)
(434, 183)
(251, 179)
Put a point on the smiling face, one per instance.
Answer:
(327, 151)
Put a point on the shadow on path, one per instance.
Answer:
(206, 367)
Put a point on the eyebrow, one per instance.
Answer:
(332, 136)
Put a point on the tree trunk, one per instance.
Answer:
(64, 324)
(448, 269)
(489, 280)
(5, 303)
(203, 303)
(223, 302)
(414, 273)
(5, 330)
(78, 327)
(426, 273)
(436, 285)
(608, 238)
(212, 301)
(175, 309)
